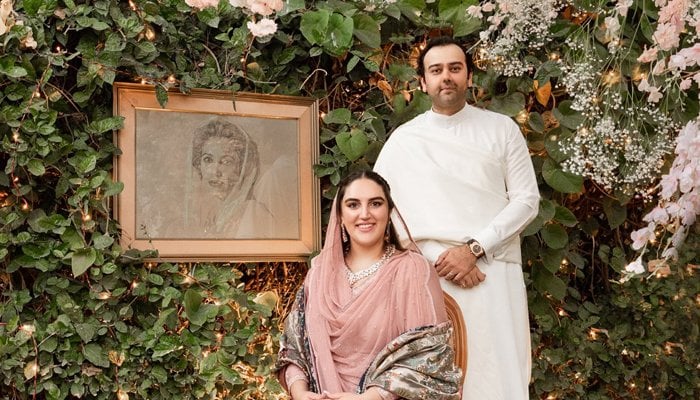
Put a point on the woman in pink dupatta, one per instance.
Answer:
(370, 320)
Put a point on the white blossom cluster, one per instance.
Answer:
(516, 26)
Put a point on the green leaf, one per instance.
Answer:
(101, 241)
(86, 331)
(36, 167)
(560, 180)
(193, 300)
(367, 30)
(166, 345)
(339, 34)
(96, 355)
(551, 258)
(105, 125)
(314, 25)
(547, 209)
(555, 236)
(113, 188)
(565, 217)
(8, 67)
(536, 122)
(545, 282)
(615, 213)
(338, 116)
(73, 239)
(353, 144)
(509, 105)
(162, 95)
(567, 116)
(81, 260)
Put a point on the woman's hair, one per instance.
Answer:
(220, 128)
(376, 178)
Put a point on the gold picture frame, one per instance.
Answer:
(217, 176)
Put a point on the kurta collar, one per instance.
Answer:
(448, 121)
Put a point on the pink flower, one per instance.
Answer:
(659, 67)
(648, 55)
(263, 27)
(623, 5)
(691, 55)
(265, 7)
(685, 84)
(487, 7)
(657, 215)
(677, 61)
(475, 11)
(238, 3)
(669, 185)
(200, 4)
(666, 36)
(674, 13)
(640, 237)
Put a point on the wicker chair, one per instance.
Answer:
(459, 338)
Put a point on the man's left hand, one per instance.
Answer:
(455, 263)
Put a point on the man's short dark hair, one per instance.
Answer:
(438, 42)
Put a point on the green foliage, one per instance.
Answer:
(80, 316)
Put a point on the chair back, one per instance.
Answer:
(459, 336)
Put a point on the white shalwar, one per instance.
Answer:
(469, 175)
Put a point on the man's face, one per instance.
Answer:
(446, 78)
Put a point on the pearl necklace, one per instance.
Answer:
(354, 277)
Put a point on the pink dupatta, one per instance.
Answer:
(347, 331)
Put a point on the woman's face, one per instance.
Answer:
(365, 214)
(221, 165)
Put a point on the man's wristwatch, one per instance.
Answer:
(475, 248)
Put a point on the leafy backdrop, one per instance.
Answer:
(593, 84)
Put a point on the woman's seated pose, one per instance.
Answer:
(370, 320)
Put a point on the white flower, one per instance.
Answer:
(6, 13)
(201, 4)
(640, 237)
(612, 26)
(238, 3)
(265, 7)
(635, 267)
(475, 11)
(262, 28)
(623, 5)
(28, 41)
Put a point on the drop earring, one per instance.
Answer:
(343, 234)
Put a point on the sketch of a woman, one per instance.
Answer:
(225, 164)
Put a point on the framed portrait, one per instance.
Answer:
(217, 176)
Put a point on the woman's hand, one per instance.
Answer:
(370, 394)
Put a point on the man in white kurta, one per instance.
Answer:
(458, 173)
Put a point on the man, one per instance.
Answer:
(463, 180)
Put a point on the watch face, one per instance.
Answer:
(476, 249)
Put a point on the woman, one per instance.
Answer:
(365, 304)
(226, 161)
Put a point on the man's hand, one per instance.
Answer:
(458, 264)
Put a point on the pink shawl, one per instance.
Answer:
(346, 332)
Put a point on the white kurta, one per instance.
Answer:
(465, 176)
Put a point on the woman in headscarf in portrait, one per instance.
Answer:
(226, 165)
(369, 321)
